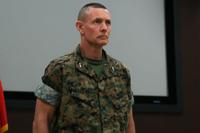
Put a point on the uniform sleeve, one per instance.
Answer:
(130, 92)
(47, 94)
(53, 75)
(132, 98)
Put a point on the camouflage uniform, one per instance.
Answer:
(89, 103)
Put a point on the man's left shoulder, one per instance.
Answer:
(116, 63)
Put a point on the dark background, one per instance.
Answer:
(186, 121)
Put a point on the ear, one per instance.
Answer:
(79, 26)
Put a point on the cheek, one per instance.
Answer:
(95, 30)
(109, 32)
(91, 31)
(109, 29)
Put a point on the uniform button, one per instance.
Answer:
(113, 69)
(101, 86)
(93, 103)
(80, 65)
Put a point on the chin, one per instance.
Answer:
(103, 43)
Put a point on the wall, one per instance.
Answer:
(184, 122)
(188, 120)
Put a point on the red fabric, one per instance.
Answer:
(3, 113)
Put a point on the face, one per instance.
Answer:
(95, 28)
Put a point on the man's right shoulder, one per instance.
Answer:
(63, 60)
(54, 71)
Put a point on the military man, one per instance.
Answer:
(86, 91)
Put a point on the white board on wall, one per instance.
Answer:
(34, 32)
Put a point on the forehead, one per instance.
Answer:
(93, 13)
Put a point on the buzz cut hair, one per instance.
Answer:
(83, 10)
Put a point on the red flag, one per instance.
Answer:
(3, 113)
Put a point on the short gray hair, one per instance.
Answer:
(82, 11)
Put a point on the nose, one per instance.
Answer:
(104, 27)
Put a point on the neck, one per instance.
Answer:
(91, 51)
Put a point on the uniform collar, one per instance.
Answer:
(81, 65)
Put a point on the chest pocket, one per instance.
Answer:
(118, 100)
(83, 97)
(78, 105)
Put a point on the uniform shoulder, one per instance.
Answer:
(119, 66)
(54, 71)
(59, 62)
(116, 63)
(62, 60)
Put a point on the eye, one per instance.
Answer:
(108, 22)
(98, 21)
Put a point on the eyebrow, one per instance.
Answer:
(101, 19)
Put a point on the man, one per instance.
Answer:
(86, 91)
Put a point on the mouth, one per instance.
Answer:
(103, 37)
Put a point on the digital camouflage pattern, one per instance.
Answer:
(47, 94)
(89, 103)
